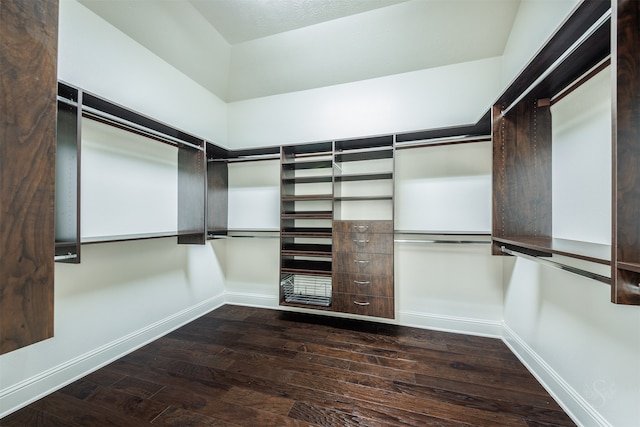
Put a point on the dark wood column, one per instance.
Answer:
(28, 84)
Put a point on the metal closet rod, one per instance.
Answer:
(90, 111)
(603, 19)
(557, 265)
(65, 257)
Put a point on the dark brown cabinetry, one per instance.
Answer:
(625, 274)
(337, 226)
(590, 39)
(28, 58)
(363, 268)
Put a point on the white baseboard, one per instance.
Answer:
(251, 300)
(455, 324)
(38, 386)
(573, 404)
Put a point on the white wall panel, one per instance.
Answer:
(448, 280)
(444, 188)
(591, 345)
(581, 162)
(445, 96)
(129, 183)
(254, 195)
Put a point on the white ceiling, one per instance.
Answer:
(243, 20)
(241, 49)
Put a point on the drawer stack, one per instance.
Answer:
(363, 268)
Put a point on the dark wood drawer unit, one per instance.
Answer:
(365, 305)
(363, 227)
(363, 243)
(363, 263)
(365, 284)
(363, 268)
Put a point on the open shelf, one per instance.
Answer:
(306, 249)
(319, 232)
(307, 267)
(364, 155)
(305, 164)
(629, 266)
(362, 198)
(131, 237)
(306, 179)
(308, 215)
(585, 251)
(306, 197)
(364, 177)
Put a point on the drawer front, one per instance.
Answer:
(363, 226)
(365, 305)
(364, 284)
(363, 263)
(363, 242)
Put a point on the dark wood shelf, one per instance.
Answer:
(318, 232)
(364, 155)
(629, 266)
(364, 177)
(306, 249)
(307, 179)
(311, 268)
(131, 237)
(585, 251)
(362, 198)
(306, 164)
(307, 197)
(308, 215)
(365, 143)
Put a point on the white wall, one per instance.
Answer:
(372, 44)
(581, 162)
(444, 96)
(95, 56)
(584, 348)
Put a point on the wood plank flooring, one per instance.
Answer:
(241, 366)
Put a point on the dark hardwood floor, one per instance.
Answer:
(240, 366)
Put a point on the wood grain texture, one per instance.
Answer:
(626, 286)
(218, 196)
(28, 59)
(522, 171)
(241, 366)
(363, 263)
(376, 243)
(366, 284)
(191, 196)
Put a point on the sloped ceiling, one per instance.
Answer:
(242, 49)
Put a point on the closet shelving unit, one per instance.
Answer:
(67, 234)
(74, 105)
(218, 162)
(363, 226)
(305, 224)
(522, 175)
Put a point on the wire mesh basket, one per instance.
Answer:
(311, 290)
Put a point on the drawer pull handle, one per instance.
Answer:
(361, 227)
(357, 282)
(363, 304)
(360, 242)
(361, 261)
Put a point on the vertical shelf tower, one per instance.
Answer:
(306, 212)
